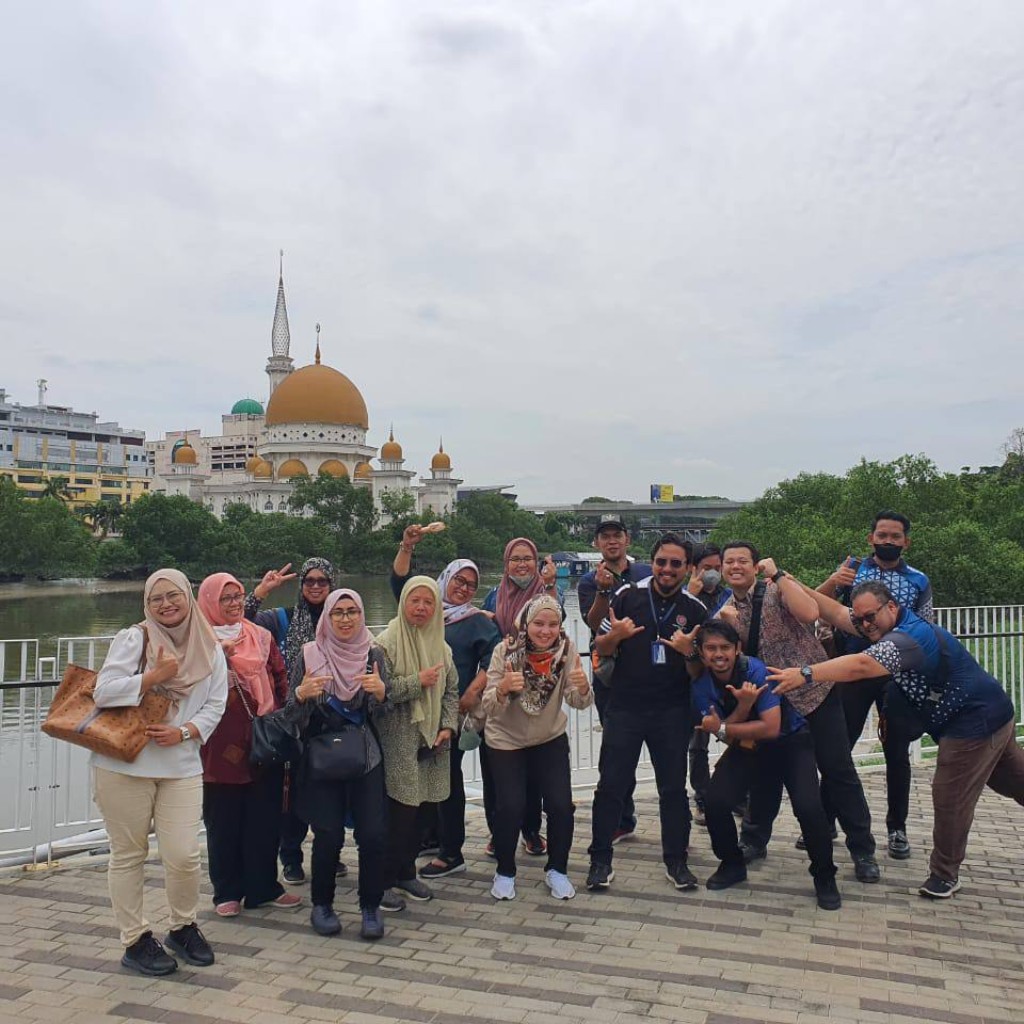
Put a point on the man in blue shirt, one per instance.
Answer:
(965, 709)
(768, 743)
(890, 540)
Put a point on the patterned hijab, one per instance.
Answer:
(512, 598)
(410, 649)
(342, 660)
(191, 642)
(306, 616)
(456, 612)
(541, 669)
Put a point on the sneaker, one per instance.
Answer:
(286, 901)
(415, 889)
(489, 850)
(801, 843)
(503, 887)
(680, 875)
(146, 956)
(560, 886)
(392, 902)
(727, 875)
(440, 867)
(191, 945)
(535, 845)
(599, 876)
(372, 927)
(752, 853)
(865, 869)
(341, 871)
(293, 874)
(899, 845)
(324, 920)
(623, 833)
(229, 908)
(939, 888)
(828, 893)
(699, 817)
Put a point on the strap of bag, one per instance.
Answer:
(754, 633)
(241, 696)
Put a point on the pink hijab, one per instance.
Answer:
(248, 657)
(512, 599)
(342, 660)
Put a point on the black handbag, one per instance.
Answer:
(276, 736)
(340, 756)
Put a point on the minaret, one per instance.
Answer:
(279, 365)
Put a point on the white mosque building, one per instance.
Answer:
(315, 423)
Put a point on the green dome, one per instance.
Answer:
(247, 407)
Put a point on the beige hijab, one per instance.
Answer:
(192, 642)
(410, 649)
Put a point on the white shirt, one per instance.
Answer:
(119, 685)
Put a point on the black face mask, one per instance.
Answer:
(888, 552)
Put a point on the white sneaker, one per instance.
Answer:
(504, 888)
(560, 886)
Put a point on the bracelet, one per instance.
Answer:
(402, 547)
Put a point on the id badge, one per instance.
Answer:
(657, 654)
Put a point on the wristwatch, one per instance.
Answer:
(721, 733)
(778, 576)
(807, 673)
(186, 734)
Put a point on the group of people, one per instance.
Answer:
(718, 642)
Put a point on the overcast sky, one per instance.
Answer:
(595, 244)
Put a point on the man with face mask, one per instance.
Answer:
(889, 539)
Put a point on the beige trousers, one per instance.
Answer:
(173, 807)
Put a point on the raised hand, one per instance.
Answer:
(372, 683)
(272, 580)
(845, 575)
(604, 577)
(578, 678)
(767, 567)
(165, 669)
(512, 682)
(548, 572)
(430, 676)
(622, 629)
(680, 642)
(729, 613)
(412, 535)
(747, 694)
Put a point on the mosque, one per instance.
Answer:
(315, 423)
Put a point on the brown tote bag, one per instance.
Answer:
(119, 733)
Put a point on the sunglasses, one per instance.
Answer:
(867, 619)
(675, 563)
(316, 581)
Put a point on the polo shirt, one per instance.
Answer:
(910, 588)
(711, 695)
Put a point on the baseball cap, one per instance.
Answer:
(610, 519)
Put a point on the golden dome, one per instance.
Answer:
(252, 463)
(293, 467)
(391, 450)
(363, 471)
(317, 394)
(332, 467)
(264, 471)
(441, 460)
(185, 456)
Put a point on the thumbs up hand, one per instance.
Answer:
(512, 682)
(578, 678)
(372, 683)
(165, 669)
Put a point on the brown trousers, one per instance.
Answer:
(964, 768)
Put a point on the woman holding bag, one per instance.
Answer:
(242, 807)
(336, 681)
(178, 655)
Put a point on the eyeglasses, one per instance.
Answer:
(316, 581)
(462, 583)
(867, 619)
(522, 559)
(229, 599)
(675, 563)
(346, 613)
(175, 597)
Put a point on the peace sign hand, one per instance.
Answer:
(272, 580)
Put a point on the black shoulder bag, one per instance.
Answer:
(342, 755)
(754, 633)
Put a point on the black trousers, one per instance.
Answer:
(241, 839)
(785, 762)
(451, 813)
(531, 816)
(627, 821)
(292, 828)
(841, 788)
(365, 800)
(547, 766)
(403, 844)
(900, 731)
(666, 731)
(700, 772)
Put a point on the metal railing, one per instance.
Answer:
(45, 796)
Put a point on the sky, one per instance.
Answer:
(595, 245)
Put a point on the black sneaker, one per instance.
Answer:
(899, 845)
(441, 867)
(147, 956)
(414, 889)
(392, 902)
(828, 893)
(727, 875)
(752, 853)
(535, 845)
(372, 927)
(191, 945)
(600, 876)
(866, 869)
(680, 875)
(324, 920)
(939, 888)
(293, 874)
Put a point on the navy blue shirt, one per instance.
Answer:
(910, 589)
(708, 695)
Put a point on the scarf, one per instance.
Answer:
(250, 643)
(342, 660)
(541, 669)
(191, 642)
(512, 597)
(456, 612)
(305, 616)
(410, 649)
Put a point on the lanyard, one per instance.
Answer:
(660, 621)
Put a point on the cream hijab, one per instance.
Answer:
(411, 649)
(192, 641)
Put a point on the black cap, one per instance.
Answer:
(610, 519)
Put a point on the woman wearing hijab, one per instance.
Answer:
(530, 675)
(416, 727)
(174, 653)
(241, 808)
(337, 681)
(292, 628)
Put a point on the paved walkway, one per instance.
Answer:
(641, 951)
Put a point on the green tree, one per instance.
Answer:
(343, 508)
(57, 487)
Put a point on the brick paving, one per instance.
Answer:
(761, 952)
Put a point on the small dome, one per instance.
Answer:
(247, 407)
(391, 450)
(441, 460)
(184, 455)
(264, 471)
(293, 467)
(363, 471)
(252, 463)
(332, 467)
